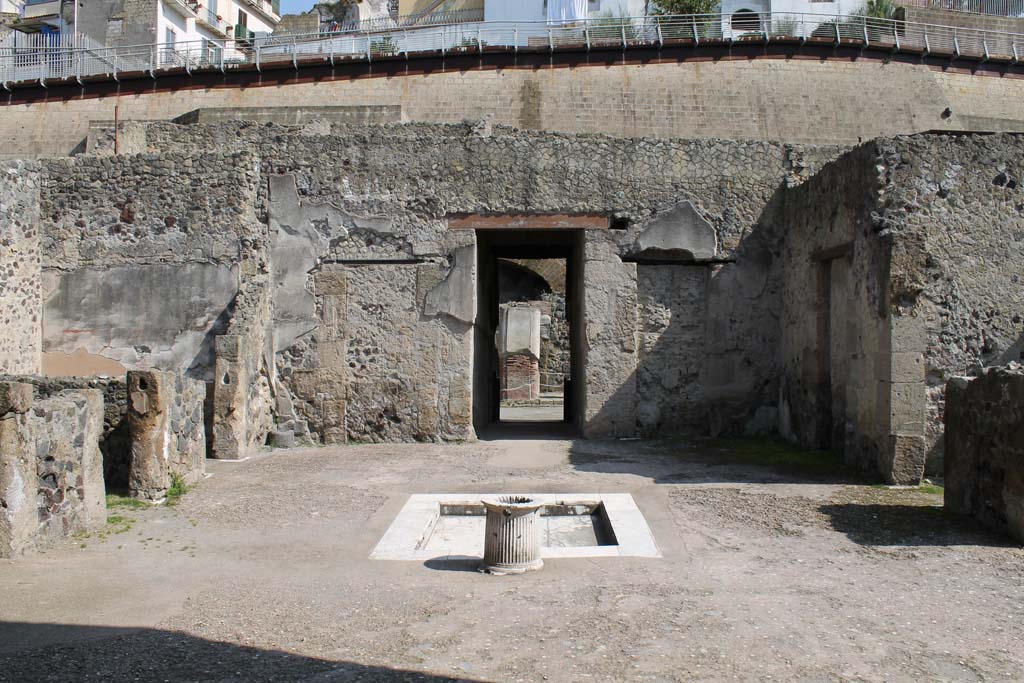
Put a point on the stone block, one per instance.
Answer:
(984, 448)
(15, 397)
(282, 439)
(681, 233)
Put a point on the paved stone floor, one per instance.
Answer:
(783, 572)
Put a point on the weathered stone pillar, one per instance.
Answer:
(148, 429)
(167, 431)
(18, 518)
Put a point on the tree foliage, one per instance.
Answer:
(687, 7)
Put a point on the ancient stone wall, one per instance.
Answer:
(21, 316)
(141, 256)
(51, 470)
(671, 348)
(809, 101)
(166, 427)
(852, 378)
(371, 294)
(555, 356)
(984, 448)
(955, 206)
(910, 247)
(114, 443)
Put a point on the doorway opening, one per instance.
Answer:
(528, 329)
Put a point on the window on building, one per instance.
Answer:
(170, 37)
(746, 20)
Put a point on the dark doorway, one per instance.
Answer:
(527, 331)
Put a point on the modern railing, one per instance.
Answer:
(44, 63)
(999, 8)
(405, 21)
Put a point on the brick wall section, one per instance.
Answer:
(21, 315)
(520, 378)
(796, 100)
(984, 466)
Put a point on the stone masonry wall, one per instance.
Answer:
(808, 101)
(372, 297)
(853, 378)
(911, 247)
(114, 440)
(984, 436)
(51, 470)
(956, 204)
(159, 235)
(21, 316)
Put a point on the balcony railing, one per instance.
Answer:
(266, 8)
(188, 8)
(208, 18)
(46, 62)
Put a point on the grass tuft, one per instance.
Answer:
(177, 489)
(114, 500)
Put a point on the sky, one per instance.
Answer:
(296, 6)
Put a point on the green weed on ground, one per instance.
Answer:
(115, 500)
(177, 489)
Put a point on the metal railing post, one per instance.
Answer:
(223, 49)
(259, 66)
(927, 45)
(956, 43)
(295, 54)
(479, 41)
(623, 27)
(984, 45)
(696, 35)
(896, 36)
(661, 38)
(1013, 47)
(369, 49)
(864, 30)
(551, 41)
(586, 35)
(839, 37)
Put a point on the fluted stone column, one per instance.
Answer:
(512, 542)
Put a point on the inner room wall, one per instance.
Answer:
(373, 306)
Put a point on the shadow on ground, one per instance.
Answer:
(706, 461)
(875, 524)
(64, 652)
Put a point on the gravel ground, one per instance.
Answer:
(783, 573)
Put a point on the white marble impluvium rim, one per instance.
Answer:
(420, 513)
